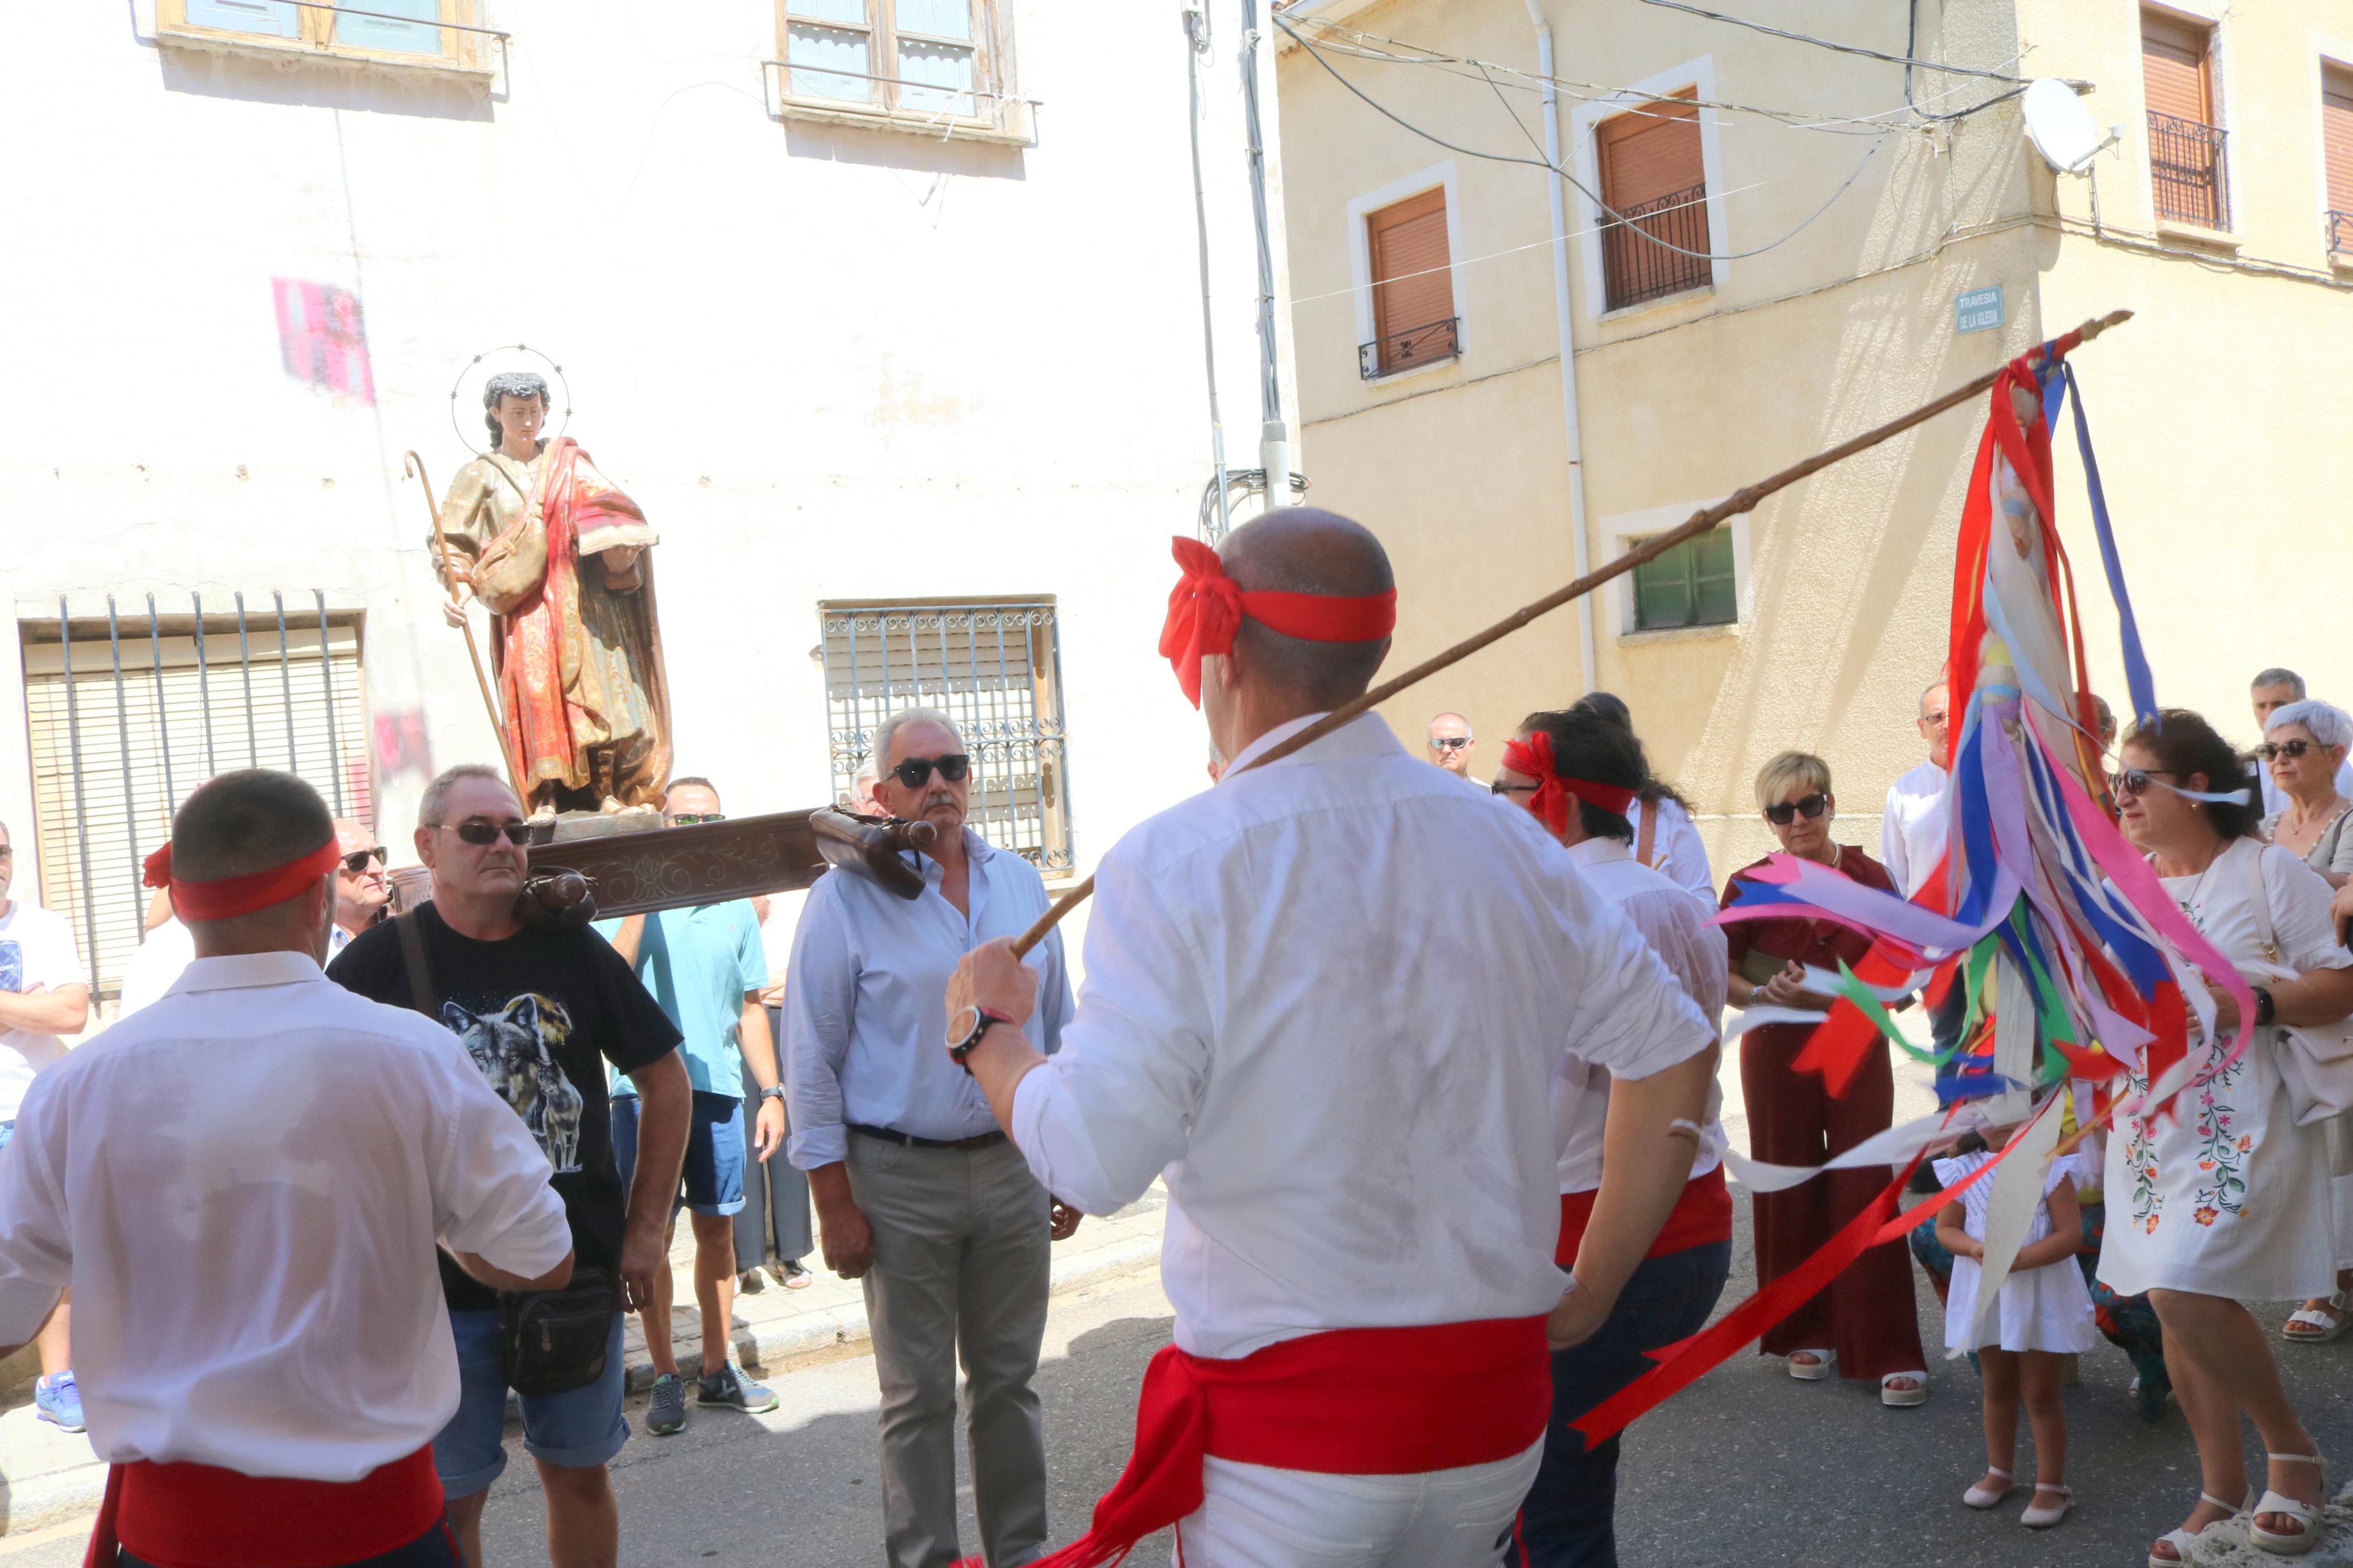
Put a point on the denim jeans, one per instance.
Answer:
(436, 1548)
(1566, 1520)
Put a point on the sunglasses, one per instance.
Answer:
(1449, 743)
(688, 818)
(477, 834)
(357, 860)
(1500, 787)
(915, 771)
(2132, 782)
(1782, 813)
(2271, 749)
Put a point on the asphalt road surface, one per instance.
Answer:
(1748, 1469)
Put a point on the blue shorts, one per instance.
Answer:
(714, 1177)
(572, 1431)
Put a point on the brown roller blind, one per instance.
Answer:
(2173, 68)
(1649, 153)
(1411, 285)
(2336, 131)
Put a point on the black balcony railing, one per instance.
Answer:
(1637, 263)
(2340, 234)
(1410, 349)
(2185, 165)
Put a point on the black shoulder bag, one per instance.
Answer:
(549, 1342)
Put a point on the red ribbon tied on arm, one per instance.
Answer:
(1532, 758)
(226, 898)
(1206, 608)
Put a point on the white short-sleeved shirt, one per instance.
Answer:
(1912, 832)
(36, 948)
(243, 1186)
(1326, 997)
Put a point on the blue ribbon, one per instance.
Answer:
(2137, 674)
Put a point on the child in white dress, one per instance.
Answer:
(2044, 1316)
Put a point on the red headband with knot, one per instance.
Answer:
(1549, 803)
(1207, 607)
(226, 898)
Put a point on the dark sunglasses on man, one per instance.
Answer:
(1782, 813)
(1449, 742)
(2271, 749)
(916, 771)
(357, 862)
(479, 833)
(688, 818)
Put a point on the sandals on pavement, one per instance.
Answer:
(2037, 1517)
(1979, 1497)
(2318, 1325)
(1825, 1362)
(2180, 1539)
(2305, 1514)
(1899, 1398)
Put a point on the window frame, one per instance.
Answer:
(1696, 76)
(2221, 103)
(1436, 177)
(1607, 136)
(996, 114)
(1629, 531)
(2330, 56)
(462, 52)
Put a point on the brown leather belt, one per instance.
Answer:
(909, 1140)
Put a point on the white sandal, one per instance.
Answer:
(2306, 1514)
(2324, 1326)
(2037, 1517)
(2180, 1539)
(1977, 1496)
(1901, 1398)
(1825, 1363)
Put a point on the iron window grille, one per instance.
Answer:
(1636, 263)
(130, 712)
(2340, 234)
(994, 668)
(2186, 171)
(1410, 349)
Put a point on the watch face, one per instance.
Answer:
(961, 1024)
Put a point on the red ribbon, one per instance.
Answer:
(226, 898)
(1532, 758)
(1206, 608)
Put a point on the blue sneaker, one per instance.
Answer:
(729, 1388)
(58, 1400)
(666, 1413)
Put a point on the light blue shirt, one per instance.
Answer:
(866, 1002)
(699, 964)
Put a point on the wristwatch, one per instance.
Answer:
(2265, 1009)
(965, 1029)
(774, 1091)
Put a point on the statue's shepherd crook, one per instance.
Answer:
(1699, 523)
(410, 463)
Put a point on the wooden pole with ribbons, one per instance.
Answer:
(1741, 500)
(413, 464)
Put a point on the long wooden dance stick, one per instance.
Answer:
(1699, 523)
(413, 464)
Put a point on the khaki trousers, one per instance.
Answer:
(961, 1267)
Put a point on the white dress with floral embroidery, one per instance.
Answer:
(2230, 1198)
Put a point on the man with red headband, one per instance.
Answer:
(272, 1359)
(1345, 1080)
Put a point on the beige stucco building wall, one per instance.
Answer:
(1845, 579)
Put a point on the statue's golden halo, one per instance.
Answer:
(465, 392)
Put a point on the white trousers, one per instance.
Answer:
(1252, 1516)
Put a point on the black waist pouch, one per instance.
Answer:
(553, 1342)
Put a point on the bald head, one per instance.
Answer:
(1303, 549)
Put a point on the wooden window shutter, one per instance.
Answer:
(2173, 55)
(2337, 133)
(1413, 286)
(1649, 153)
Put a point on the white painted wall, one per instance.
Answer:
(828, 364)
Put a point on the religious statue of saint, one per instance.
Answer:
(562, 559)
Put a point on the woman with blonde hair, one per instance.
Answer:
(1863, 1325)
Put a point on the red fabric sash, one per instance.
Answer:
(1703, 1214)
(1350, 1402)
(1206, 608)
(225, 898)
(201, 1516)
(1532, 758)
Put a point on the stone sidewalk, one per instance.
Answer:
(47, 1477)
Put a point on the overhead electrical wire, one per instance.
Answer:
(1902, 60)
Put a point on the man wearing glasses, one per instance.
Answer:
(1449, 743)
(918, 1192)
(540, 1010)
(361, 894)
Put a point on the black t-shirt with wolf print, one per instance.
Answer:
(540, 1013)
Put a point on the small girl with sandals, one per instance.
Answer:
(2043, 1316)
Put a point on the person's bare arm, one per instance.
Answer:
(992, 979)
(2066, 1235)
(498, 1278)
(63, 1010)
(626, 939)
(1647, 1149)
(759, 1048)
(1952, 1233)
(664, 1099)
(843, 1236)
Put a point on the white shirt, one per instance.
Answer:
(866, 1012)
(1912, 832)
(1327, 996)
(243, 1185)
(2275, 798)
(169, 949)
(1675, 849)
(36, 948)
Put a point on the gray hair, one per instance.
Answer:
(2276, 676)
(887, 731)
(2323, 721)
(436, 793)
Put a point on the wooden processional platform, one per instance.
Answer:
(635, 872)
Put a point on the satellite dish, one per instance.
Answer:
(2060, 126)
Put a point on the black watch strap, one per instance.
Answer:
(2265, 1009)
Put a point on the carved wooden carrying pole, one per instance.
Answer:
(1739, 501)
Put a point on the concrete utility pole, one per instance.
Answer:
(1275, 435)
